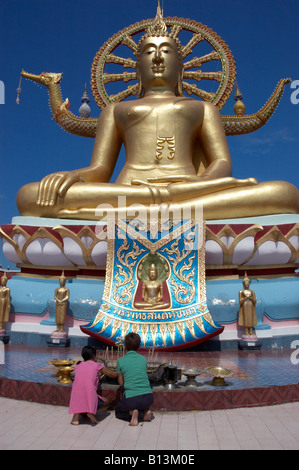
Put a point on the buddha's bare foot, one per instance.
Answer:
(92, 418)
(134, 419)
(147, 415)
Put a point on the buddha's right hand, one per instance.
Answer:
(55, 185)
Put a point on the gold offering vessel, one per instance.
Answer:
(219, 374)
(60, 364)
(191, 375)
(65, 377)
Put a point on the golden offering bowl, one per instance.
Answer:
(219, 374)
(191, 375)
(65, 377)
(61, 363)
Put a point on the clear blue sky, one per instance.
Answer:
(64, 36)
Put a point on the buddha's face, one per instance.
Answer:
(159, 63)
(153, 273)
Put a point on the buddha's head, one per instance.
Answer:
(153, 272)
(62, 280)
(159, 61)
(246, 282)
(4, 280)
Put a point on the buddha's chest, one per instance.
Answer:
(161, 119)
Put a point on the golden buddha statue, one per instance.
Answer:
(4, 301)
(61, 296)
(152, 292)
(247, 311)
(176, 153)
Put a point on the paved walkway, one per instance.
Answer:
(35, 426)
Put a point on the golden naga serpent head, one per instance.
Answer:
(45, 78)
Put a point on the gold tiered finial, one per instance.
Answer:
(239, 107)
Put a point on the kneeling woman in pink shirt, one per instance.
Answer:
(84, 396)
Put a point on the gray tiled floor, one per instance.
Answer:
(25, 425)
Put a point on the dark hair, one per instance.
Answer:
(132, 341)
(88, 352)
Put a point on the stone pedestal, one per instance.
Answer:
(4, 337)
(58, 339)
(249, 342)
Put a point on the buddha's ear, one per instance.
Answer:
(140, 87)
(180, 81)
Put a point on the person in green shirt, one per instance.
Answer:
(132, 375)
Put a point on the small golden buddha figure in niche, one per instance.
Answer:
(176, 153)
(152, 292)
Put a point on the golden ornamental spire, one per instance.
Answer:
(158, 27)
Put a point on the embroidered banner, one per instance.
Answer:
(155, 286)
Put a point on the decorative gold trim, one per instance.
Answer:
(208, 318)
(171, 331)
(16, 230)
(181, 328)
(116, 325)
(153, 332)
(144, 332)
(199, 322)
(85, 231)
(163, 330)
(274, 234)
(190, 325)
